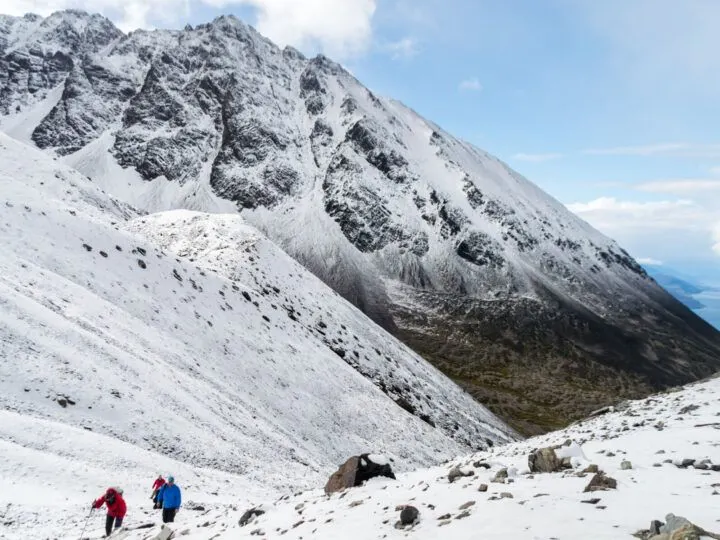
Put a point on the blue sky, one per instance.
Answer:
(612, 106)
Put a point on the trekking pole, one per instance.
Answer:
(86, 524)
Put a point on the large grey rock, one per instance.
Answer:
(458, 472)
(545, 460)
(344, 477)
(409, 515)
(673, 523)
(675, 528)
(355, 471)
(601, 482)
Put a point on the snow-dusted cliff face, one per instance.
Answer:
(463, 259)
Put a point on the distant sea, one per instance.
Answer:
(711, 311)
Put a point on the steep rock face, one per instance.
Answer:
(37, 54)
(480, 271)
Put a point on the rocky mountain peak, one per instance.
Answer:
(435, 239)
(69, 31)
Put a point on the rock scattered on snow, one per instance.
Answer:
(601, 482)
(675, 528)
(457, 472)
(546, 460)
(409, 515)
(249, 515)
(500, 477)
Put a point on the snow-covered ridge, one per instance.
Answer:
(226, 354)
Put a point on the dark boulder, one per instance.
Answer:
(356, 470)
(249, 515)
(409, 515)
(457, 472)
(601, 482)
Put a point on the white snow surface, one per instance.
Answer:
(183, 342)
(647, 433)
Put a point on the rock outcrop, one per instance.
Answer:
(600, 482)
(357, 470)
(675, 528)
(545, 460)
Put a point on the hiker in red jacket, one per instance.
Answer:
(159, 482)
(115, 508)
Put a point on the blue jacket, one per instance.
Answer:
(169, 496)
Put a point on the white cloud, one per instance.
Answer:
(536, 158)
(648, 261)
(340, 28)
(609, 213)
(126, 14)
(668, 230)
(680, 186)
(471, 85)
(404, 48)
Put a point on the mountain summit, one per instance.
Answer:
(500, 286)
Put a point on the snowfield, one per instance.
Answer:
(674, 426)
(654, 435)
(186, 341)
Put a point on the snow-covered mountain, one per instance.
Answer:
(193, 336)
(474, 267)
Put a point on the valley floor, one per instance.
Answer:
(47, 488)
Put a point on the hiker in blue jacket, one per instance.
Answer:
(169, 499)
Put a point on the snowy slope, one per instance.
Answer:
(226, 354)
(655, 435)
(463, 259)
(542, 506)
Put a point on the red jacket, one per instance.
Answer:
(160, 482)
(117, 509)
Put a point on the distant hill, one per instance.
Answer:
(680, 288)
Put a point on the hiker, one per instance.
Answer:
(159, 482)
(115, 508)
(169, 499)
